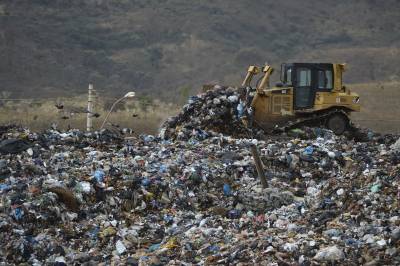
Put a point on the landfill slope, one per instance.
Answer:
(70, 198)
(217, 110)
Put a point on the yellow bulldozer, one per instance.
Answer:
(308, 93)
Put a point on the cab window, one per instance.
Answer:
(329, 80)
(325, 79)
(303, 77)
(289, 76)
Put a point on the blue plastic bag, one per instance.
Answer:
(18, 213)
(227, 190)
(99, 175)
(309, 150)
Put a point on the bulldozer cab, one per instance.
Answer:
(307, 79)
(307, 92)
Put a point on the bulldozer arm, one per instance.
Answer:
(268, 107)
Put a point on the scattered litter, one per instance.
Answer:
(331, 254)
(192, 196)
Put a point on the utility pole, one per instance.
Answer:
(89, 122)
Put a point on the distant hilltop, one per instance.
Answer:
(164, 47)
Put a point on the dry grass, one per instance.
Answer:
(380, 111)
(41, 115)
(380, 104)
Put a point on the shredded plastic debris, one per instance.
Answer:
(75, 198)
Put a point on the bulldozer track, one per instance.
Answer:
(315, 119)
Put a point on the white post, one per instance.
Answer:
(89, 122)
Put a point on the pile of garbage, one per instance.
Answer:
(75, 198)
(218, 110)
(226, 110)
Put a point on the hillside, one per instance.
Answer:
(165, 47)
